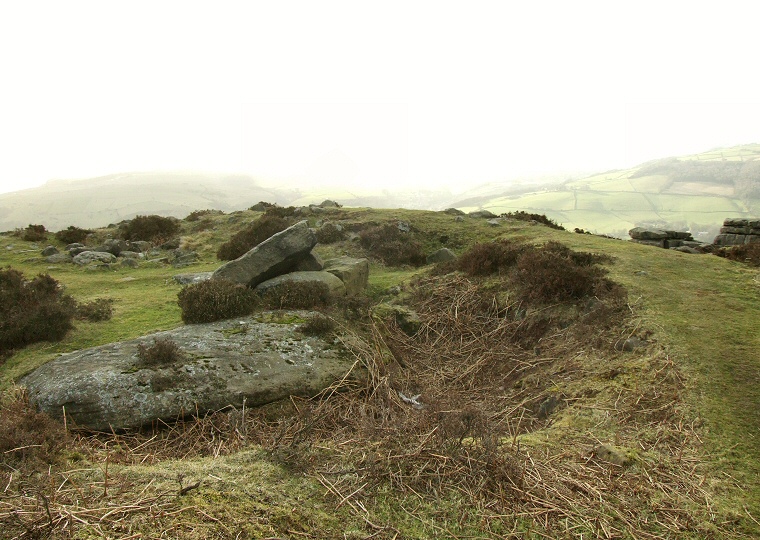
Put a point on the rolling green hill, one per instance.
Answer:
(694, 192)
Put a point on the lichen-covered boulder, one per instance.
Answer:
(94, 257)
(257, 359)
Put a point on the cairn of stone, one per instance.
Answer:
(737, 232)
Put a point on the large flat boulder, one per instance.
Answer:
(224, 362)
(354, 273)
(276, 255)
(643, 233)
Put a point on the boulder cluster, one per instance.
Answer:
(737, 232)
(125, 253)
(287, 257)
(247, 360)
(678, 240)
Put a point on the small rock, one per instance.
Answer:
(140, 246)
(329, 204)
(441, 255)
(187, 279)
(113, 246)
(547, 407)
(403, 226)
(58, 258)
(354, 273)
(130, 263)
(630, 344)
(171, 244)
(453, 212)
(459, 219)
(131, 255)
(405, 318)
(494, 222)
(90, 257)
(50, 250)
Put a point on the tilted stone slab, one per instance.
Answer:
(225, 362)
(276, 255)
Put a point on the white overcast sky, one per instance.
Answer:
(380, 93)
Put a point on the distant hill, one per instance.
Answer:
(97, 202)
(694, 192)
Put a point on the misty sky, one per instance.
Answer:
(381, 93)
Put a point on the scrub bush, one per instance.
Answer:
(392, 246)
(150, 228)
(298, 295)
(33, 233)
(72, 235)
(163, 351)
(245, 240)
(487, 258)
(215, 300)
(32, 310)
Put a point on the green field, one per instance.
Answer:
(614, 202)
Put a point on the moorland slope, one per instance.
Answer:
(542, 416)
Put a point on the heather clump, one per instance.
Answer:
(392, 246)
(298, 295)
(151, 228)
(215, 300)
(243, 241)
(490, 257)
(72, 235)
(32, 310)
(100, 309)
(32, 233)
(163, 351)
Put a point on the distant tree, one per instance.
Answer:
(748, 182)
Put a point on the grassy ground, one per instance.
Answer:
(702, 313)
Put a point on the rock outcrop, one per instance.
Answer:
(274, 256)
(224, 363)
(663, 238)
(737, 232)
